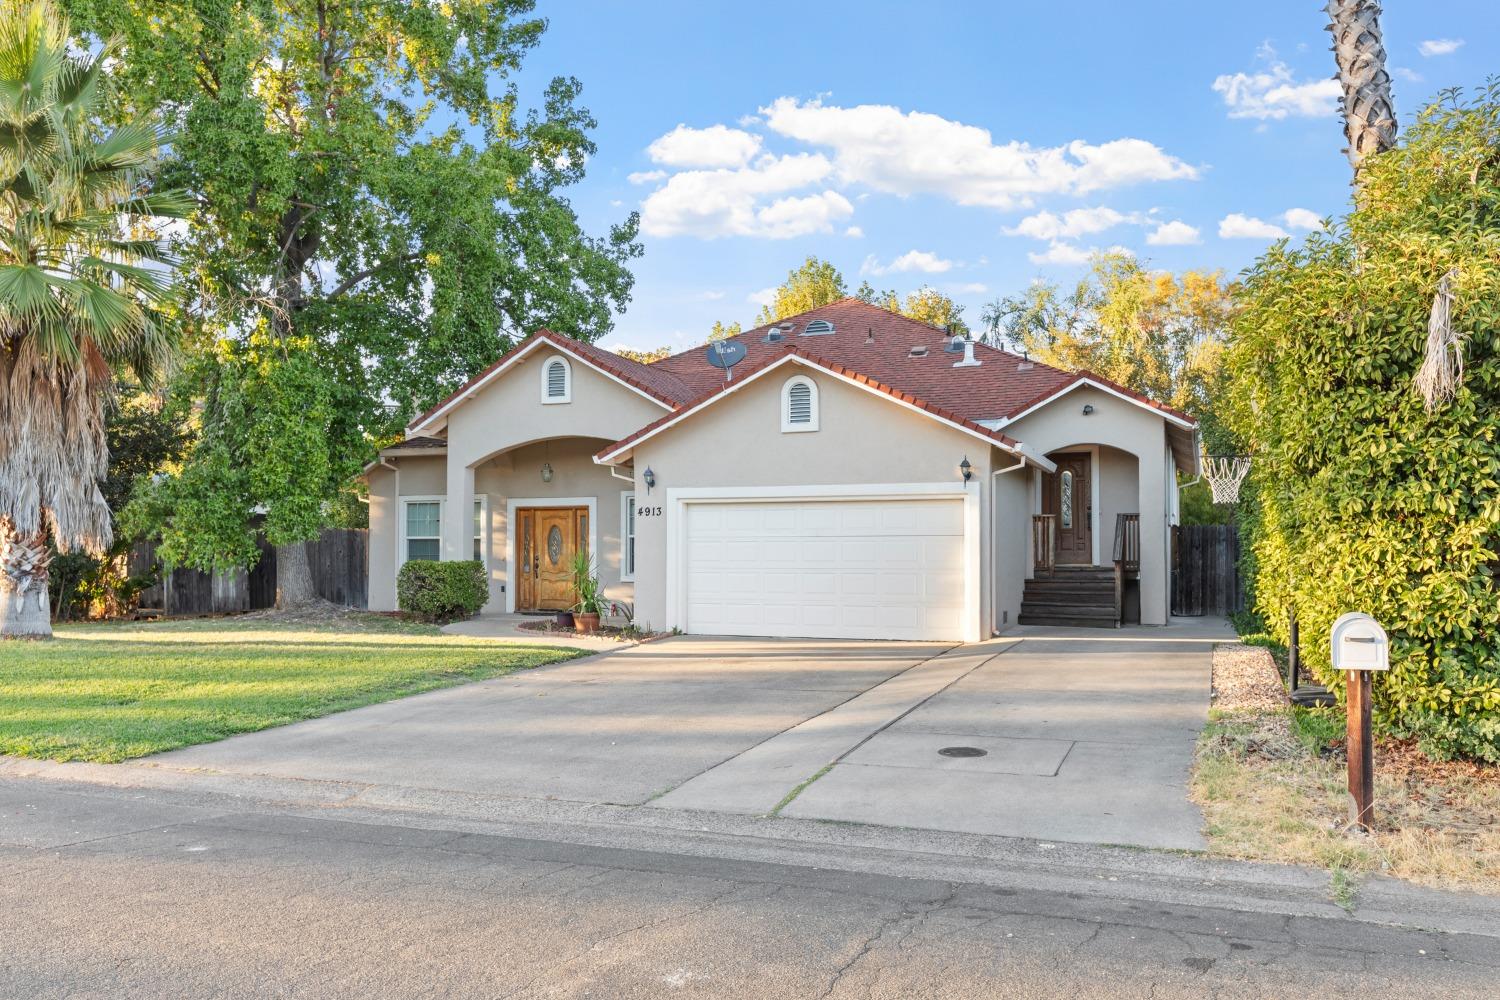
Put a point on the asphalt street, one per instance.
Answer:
(114, 893)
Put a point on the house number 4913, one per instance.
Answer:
(649, 512)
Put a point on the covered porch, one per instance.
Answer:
(1085, 549)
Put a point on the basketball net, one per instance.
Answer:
(1224, 475)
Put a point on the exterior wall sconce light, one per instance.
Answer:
(1088, 409)
(966, 470)
(649, 478)
(546, 472)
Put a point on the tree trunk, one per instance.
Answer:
(1369, 114)
(25, 606)
(294, 581)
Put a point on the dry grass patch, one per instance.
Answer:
(1271, 783)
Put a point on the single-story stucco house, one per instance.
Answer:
(855, 474)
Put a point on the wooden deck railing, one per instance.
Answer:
(1044, 542)
(1127, 557)
(1128, 542)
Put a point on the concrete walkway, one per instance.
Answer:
(507, 628)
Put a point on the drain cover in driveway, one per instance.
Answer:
(962, 752)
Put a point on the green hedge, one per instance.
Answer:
(441, 591)
(1359, 498)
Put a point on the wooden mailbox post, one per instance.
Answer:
(1360, 648)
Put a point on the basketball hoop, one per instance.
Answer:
(1224, 474)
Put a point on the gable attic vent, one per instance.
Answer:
(918, 351)
(817, 328)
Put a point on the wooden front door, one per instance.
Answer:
(547, 539)
(1069, 496)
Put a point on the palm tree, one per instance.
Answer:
(1369, 113)
(84, 287)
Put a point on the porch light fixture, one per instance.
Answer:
(966, 470)
(649, 478)
(546, 472)
(1088, 409)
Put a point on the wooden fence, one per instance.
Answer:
(1206, 570)
(338, 568)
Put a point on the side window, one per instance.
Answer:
(557, 381)
(423, 530)
(627, 536)
(799, 404)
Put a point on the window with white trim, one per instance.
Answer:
(422, 530)
(627, 536)
(799, 404)
(481, 521)
(557, 381)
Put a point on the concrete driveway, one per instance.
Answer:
(1086, 735)
(619, 728)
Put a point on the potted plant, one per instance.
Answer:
(591, 603)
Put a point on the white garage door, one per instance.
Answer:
(845, 569)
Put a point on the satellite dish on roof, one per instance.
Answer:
(725, 354)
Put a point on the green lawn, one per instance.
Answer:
(115, 691)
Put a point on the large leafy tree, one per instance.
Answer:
(84, 285)
(379, 218)
(925, 305)
(1156, 332)
(1365, 495)
(812, 284)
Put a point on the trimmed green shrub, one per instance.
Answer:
(1359, 498)
(441, 591)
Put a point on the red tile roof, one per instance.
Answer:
(867, 343)
(801, 353)
(990, 391)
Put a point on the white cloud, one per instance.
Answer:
(646, 176)
(1244, 227)
(969, 288)
(715, 146)
(1061, 253)
(912, 260)
(714, 203)
(914, 152)
(1173, 234)
(1274, 93)
(764, 297)
(1409, 75)
(786, 218)
(1078, 222)
(854, 233)
(1440, 46)
(1302, 218)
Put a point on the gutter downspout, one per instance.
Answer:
(995, 541)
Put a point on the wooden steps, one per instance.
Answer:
(1071, 596)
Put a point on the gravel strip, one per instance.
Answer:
(1245, 679)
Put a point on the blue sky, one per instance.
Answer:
(972, 147)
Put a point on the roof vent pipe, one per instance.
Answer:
(869, 335)
(969, 361)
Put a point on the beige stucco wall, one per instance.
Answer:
(509, 412)
(1134, 430)
(1119, 493)
(738, 442)
(497, 442)
(413, 476)
(516, 475)
(380, 562)
(1010, 510)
